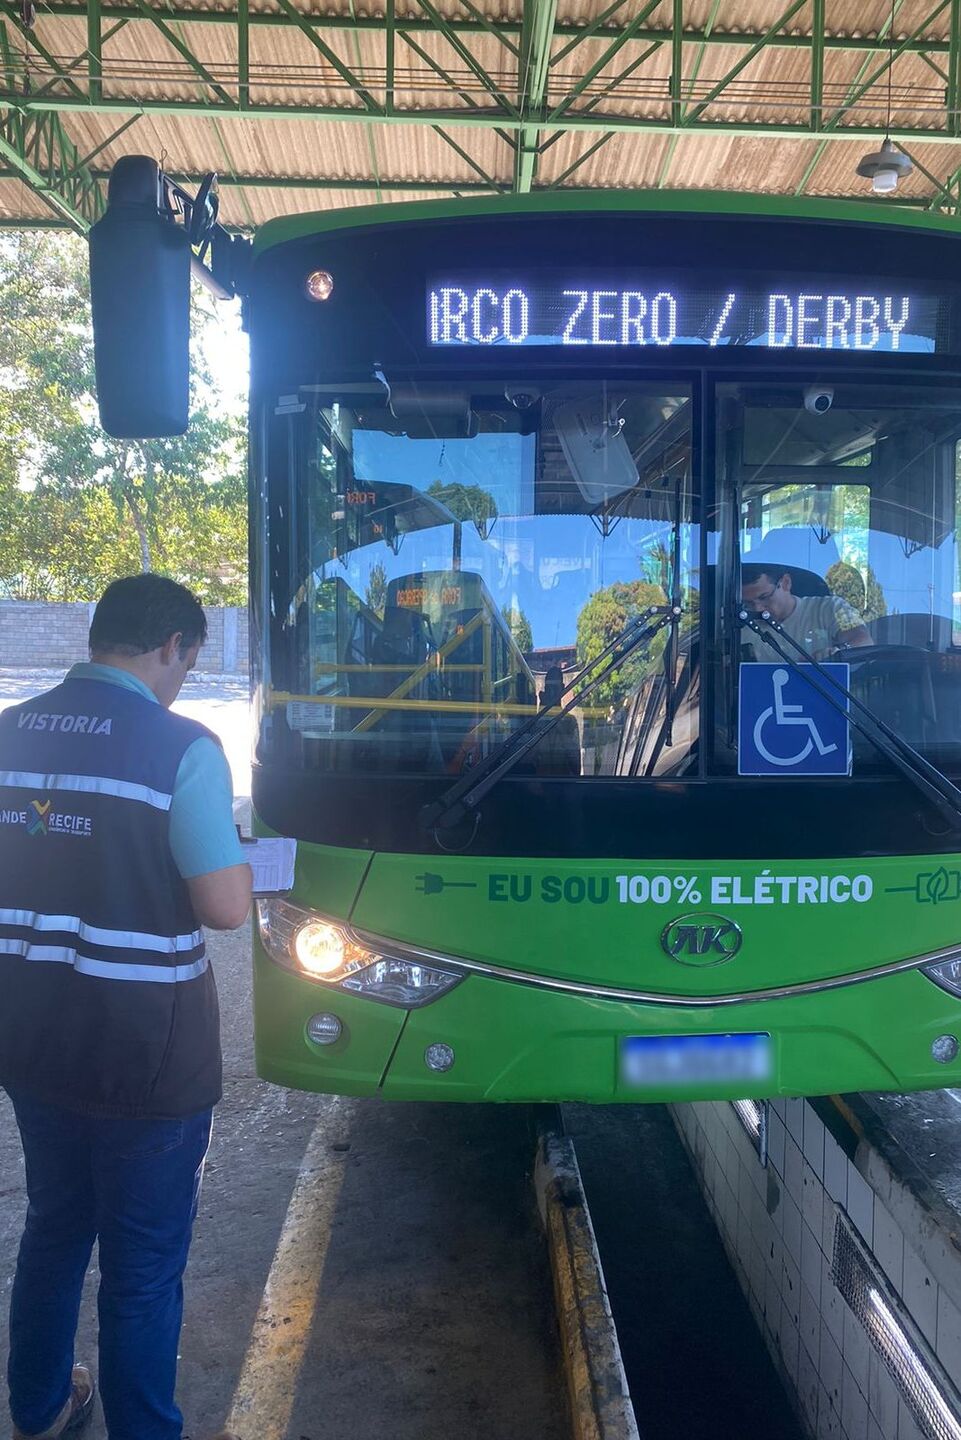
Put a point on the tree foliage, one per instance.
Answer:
(602, 619)
(520, 628)
(77, 508)
(376, 596)
(848, 582)
(465, 502)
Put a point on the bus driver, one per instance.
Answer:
(822, 624)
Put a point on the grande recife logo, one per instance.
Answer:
(37, 817)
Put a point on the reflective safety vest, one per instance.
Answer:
(107, 1003)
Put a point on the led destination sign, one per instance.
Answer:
(815, 316)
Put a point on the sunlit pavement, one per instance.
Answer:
(218, 701)
(408, 1291)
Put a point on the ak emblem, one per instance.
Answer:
(701, 939)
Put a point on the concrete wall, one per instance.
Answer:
(35, 635)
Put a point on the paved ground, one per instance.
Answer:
(408, 1288)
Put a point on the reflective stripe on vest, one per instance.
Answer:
(103, 969)
(92, 784)
(99, 935)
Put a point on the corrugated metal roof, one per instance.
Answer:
(335, 102)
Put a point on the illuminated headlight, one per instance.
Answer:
(323, 950)
(946, 973)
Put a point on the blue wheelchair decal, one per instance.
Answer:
(786, 728)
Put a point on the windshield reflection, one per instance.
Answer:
(465, 555)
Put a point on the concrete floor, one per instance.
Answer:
(432, 1313)
(411, 1295)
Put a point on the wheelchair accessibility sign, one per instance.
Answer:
(786, 728)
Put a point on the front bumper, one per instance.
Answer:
(517, 1042)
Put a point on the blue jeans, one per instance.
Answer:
(134, 1186)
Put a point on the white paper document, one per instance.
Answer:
(272, 861)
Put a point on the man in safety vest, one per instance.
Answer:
(116, 845)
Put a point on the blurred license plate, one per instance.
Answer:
(648, 1061)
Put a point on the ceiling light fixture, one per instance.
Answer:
(889, 165)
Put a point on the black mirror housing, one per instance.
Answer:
(140, 264)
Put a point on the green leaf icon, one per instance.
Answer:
(937, 886)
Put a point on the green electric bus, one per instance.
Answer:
(606, 637)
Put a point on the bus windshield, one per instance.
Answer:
(447, 557)
(463, 554)
(840, 511)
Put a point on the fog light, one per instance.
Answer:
(324, 1029)
(945, 1049)
(438, 1056)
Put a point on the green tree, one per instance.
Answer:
(77, 507)
(602, 619)
(376, 594)
(520, 628)
(465, 502)
(866, 598)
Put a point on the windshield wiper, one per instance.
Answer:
(925, 777)
(672, 646)
(465, 794)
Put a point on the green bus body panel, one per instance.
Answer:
(515, 1043)
(283, 1003)
(326, 878)
(568, 921)
(518, 1042)
(609, 202)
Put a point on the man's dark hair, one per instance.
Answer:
(140, 613)
(751, 574)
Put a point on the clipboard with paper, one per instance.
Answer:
(272, 859)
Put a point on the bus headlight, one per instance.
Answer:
(946, 973)
(320, 949)
(401, 982)
(323, 950)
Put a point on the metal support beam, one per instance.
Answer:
(817, 64)
(480, 119)
(891, 55)
(243, 53)
(745, 60)
(40, 154)
(443, 27)
(539, 89)
(677, 63)
(815, 159)
(628, 33)
(94, 50)
(33, 42)
(954, 69)
(372, 88)
(533, 71)
(295, 17)
(183, 49)
(197, 14)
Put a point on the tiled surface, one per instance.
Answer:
(777, 1225)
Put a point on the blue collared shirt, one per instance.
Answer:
(203, 836)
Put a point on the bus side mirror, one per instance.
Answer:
(140, 299)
